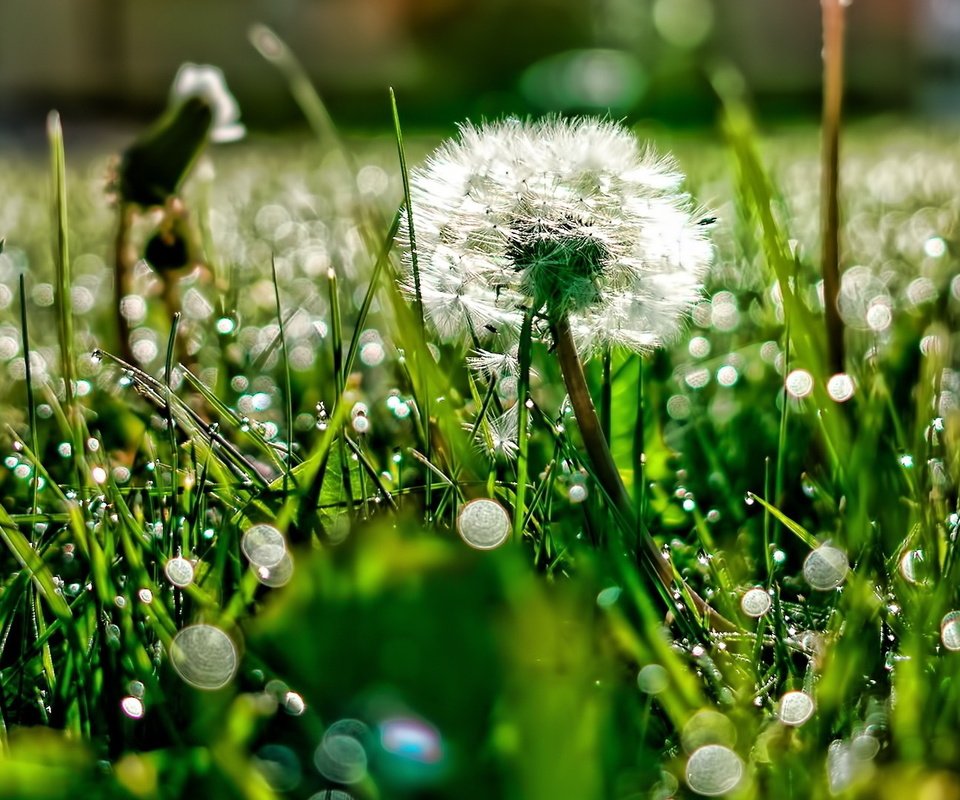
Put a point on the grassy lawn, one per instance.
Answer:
(236, 560)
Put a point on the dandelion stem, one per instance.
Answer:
(833, 24)
(523, 386)
(606, 471)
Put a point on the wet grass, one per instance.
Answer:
(380, 656)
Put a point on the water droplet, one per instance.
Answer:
(412, 739)
(879, 315)
(341, 758)
(911, 567)
(825, 568)
(179, 572)
(755, 602)
(699, 347)
(713, 770)
(263, 545)
(795, 708)
(483, 524)
(293, 704)
(727, 375)
(799, 383)
(950, 631)
(132, 707)
(708, 727)
(840, 387)
(865, 747)
(277, 575)
(578, 493)
(608, 596)
(204, 656)
(653, 679)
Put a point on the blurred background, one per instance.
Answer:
(115, 59)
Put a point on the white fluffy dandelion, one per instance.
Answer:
(574, 216)
(206, 81)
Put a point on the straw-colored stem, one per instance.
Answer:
(833, 24)
(606, 471)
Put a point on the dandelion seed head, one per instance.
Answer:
(573, 216)
(206, 81)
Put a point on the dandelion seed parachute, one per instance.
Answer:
(573, 215)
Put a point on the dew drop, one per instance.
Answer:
(825, 568)
(911, 567)
(795, 708)
(653, 679)
(755, 602)
(132, 707)
(840, 387)
(179, 572)
(341, 758)
(609, 596)
(411, 739)
(950, 631)
(278, 575)
(204, 656)
(708, 727)
(293, 704)
(799, 383)
(263, 545)
(483, 524)
(713, 770)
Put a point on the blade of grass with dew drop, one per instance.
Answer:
(418, 298)
(132, 543)
(225, 455)
(32, 562)
(339, 376)
(174, 498)
(228, 416)
(371, 471)
(46, 655)
(61, 253)
(28, 379)
(287, 391)
(796, 528)
(309, 474)
(523, 410)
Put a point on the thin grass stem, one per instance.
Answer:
(523, 413)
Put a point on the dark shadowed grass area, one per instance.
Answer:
(153, 644)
